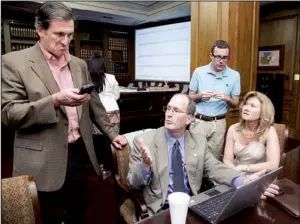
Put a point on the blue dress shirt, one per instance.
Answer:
(236, 182)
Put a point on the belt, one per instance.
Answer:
(207, 118)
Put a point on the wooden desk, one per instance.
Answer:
(265, 212)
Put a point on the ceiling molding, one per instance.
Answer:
(123, 11)
(129, 9)
(128, 13)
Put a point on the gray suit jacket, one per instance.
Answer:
(198, 158)
(41, 139)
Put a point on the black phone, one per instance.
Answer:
(87, 88)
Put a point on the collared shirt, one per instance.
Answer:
(204, 79)
(170, 142)
(236, 181)
(62, 75)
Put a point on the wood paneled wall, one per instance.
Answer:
(284, 28)
(235, 22)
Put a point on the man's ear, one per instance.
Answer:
(189, 119)
(40, 31)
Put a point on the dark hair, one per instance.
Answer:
(222, 44)
(97, 69)
(52, 10)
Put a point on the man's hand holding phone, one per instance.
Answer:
(73, 97)
(69, 97)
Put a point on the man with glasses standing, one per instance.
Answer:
(213, 87)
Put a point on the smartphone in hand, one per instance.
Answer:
(87, 88)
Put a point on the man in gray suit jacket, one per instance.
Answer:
(40, 101)
(153, 166)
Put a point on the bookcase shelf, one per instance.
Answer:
(21, 31)
(90, 47)
(89, 39)
(118, 54)
(23, 41)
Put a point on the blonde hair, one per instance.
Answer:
(266, 119)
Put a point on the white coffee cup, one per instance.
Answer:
(178, 203)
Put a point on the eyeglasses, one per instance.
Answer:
(219, 57)
(173, 109)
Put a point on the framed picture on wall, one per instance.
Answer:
(271, 57)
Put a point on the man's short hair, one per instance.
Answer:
(52, 10)
(191, 107)
(222, 44)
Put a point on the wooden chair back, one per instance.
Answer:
(283, 134)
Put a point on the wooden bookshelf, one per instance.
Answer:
(117, 58)
(21, 36)
(90, 47)
(89, 39)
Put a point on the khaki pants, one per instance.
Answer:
(214, 131)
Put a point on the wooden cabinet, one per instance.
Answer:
(142, 110)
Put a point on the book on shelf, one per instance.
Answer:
(17, 47)
(22, 32)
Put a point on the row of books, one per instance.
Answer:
(86, 53)
(22, 32)
(17, 47)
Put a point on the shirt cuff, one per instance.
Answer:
(237, 181)
(145, 173)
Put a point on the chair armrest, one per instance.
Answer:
(137, 198)
(34, 199)
(141, 205)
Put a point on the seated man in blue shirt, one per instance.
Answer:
(171, 159)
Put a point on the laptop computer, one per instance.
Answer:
(222, 201)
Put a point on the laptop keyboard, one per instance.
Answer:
(211, 208)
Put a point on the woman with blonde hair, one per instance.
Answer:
(252, 144)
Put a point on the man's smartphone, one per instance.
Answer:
(87, 88)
